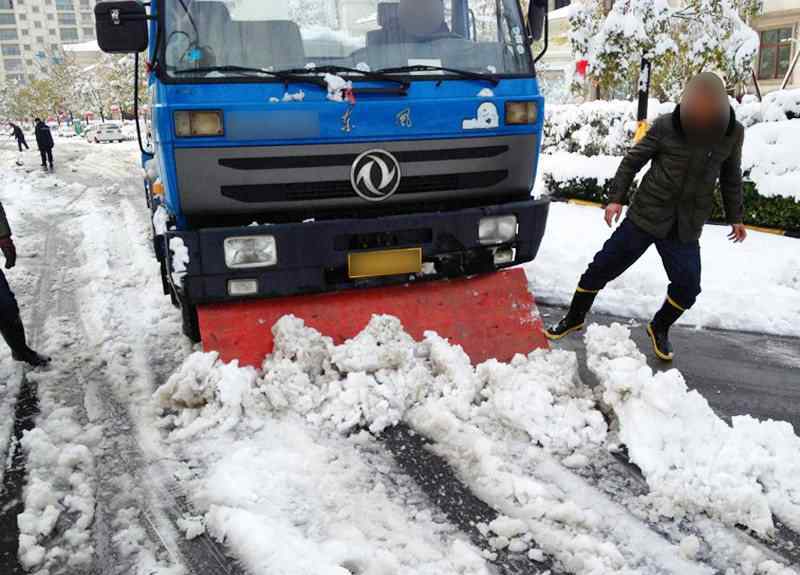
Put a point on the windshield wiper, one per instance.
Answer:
(366, 75)
(244, 70)
(491, 78)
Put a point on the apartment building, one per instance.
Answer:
(32, 33)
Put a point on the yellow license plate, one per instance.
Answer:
(384, 263)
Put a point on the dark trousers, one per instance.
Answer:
(11, 326)
(628, 243)
(47, 156)
(8, 303)
(21, 142)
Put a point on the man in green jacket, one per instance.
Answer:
(10, 322)
(689, 150)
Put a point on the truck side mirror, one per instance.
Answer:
(121, 26)
(537, 18)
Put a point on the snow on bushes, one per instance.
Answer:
(299, 471)
(741, 473)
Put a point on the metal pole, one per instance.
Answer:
(790, 71)
(644, 99)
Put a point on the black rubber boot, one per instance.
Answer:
(576, 316)
(14, 333)
(658, 330)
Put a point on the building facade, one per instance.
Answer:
(778, 28)
(32, 33)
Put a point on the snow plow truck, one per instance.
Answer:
(334, 159)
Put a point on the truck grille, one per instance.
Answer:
(324, 161)
(299, 191)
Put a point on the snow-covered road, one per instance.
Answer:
(149, 457)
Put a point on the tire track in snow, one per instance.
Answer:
(462, 507)
(163, 502)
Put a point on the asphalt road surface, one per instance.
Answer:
(738, 373)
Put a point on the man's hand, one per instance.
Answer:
(738, 233)
(9, 251)
(613, 213)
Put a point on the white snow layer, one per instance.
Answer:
(290, 485)
(753, 286)
(741, 473)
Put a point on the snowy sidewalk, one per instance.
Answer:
(753, 287)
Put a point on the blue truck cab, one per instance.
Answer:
(303, 147)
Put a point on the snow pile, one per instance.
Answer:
(776, 106)
(770, 160)
(754, 286)
(695, 462)
(59, 492)
(297, 455)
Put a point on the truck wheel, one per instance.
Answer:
(191, 327)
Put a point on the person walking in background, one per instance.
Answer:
(44, 140)
(690, 149)
(10, 321)
(19, 135)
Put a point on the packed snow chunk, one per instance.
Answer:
(160, 220)
(192, 385)
(60, 489)
(207, 393)
(192, 526)
(180, 259)
(694, 461)
(543, 396)
(338, 87)
(383, 344)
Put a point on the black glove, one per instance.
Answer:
(9, 251)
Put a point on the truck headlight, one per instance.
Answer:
(251, 252)
(518, 113)
(497, 230)
(195, 123)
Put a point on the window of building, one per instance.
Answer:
(69, 34)
(67, 19)
(12, 64)
(7, 4)
(775, 54)
(7, 20)
(11, 50)
(8, 34)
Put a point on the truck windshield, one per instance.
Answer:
(417, 38)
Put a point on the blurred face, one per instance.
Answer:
(702, 109)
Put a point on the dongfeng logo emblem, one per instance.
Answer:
(375, 175)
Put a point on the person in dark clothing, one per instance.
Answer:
(44, 139)
(10, 321)
(699, 143)
(19, 135)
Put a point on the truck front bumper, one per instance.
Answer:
(313, 256)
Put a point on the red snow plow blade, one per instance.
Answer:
(492, 316)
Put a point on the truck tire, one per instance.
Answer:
(190, 325)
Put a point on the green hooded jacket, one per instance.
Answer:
(678, 190)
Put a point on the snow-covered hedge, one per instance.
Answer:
(777, 212)
(583, 145)
(607, 127)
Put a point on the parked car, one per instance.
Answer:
(65, 131)
(107, 132)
